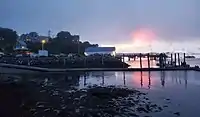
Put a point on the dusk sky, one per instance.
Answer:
(130, 25)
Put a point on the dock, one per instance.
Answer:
(10, 68)
(175, 64)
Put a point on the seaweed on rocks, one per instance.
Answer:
(40, 99)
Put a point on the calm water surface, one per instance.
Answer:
(179, 90)
(181, 87)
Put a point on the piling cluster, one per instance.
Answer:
(162, 59)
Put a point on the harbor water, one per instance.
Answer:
(175, 92)
(178, 89)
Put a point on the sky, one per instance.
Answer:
(130, 25)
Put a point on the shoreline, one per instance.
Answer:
(11, 68)
(93, 101)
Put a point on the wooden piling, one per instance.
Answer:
(123, 60)
(140, 60)
(175, 58)
(155, 58)
(141, 81)
(124, 77)
(148, 58)
(179, 64)
(161, 60)
(149, 86)
(171, 59)
(165, 60)
(129, 59)
(184, 57)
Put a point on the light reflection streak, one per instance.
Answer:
(139, 79)
(142, 79)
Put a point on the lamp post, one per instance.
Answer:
(43, 42)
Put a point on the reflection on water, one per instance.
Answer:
(141, 80)
(146, 80)
(181, 87)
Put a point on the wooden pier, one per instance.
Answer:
(175, 60)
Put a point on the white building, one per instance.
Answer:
(100, 50)
(20, 45)
(43, 53)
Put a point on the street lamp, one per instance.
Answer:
(43, 42)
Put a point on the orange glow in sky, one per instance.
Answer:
(142, 36)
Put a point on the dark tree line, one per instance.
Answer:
(7, 39)
(64, 42)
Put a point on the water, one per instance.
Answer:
(181, 87)
(179, 90)
(193, 62)
(136, 63)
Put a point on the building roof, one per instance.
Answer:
(21, 42)
(100, 49)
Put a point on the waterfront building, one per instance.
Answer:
(100, 50)
(20, 45)
(21, 49)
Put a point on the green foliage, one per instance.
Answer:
(67, 43)
(64, 42)
(64, 35)
(33, 34)
(8, 39)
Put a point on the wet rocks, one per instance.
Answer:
(177, 113)
(165, 106)
(142, 109)
(51, 100)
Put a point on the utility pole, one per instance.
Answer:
(78, 44)
(49, 34)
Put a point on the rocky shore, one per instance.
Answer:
(42, 98)
(94, 61)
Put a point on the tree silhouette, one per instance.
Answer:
(8, 39)
(64, 42)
